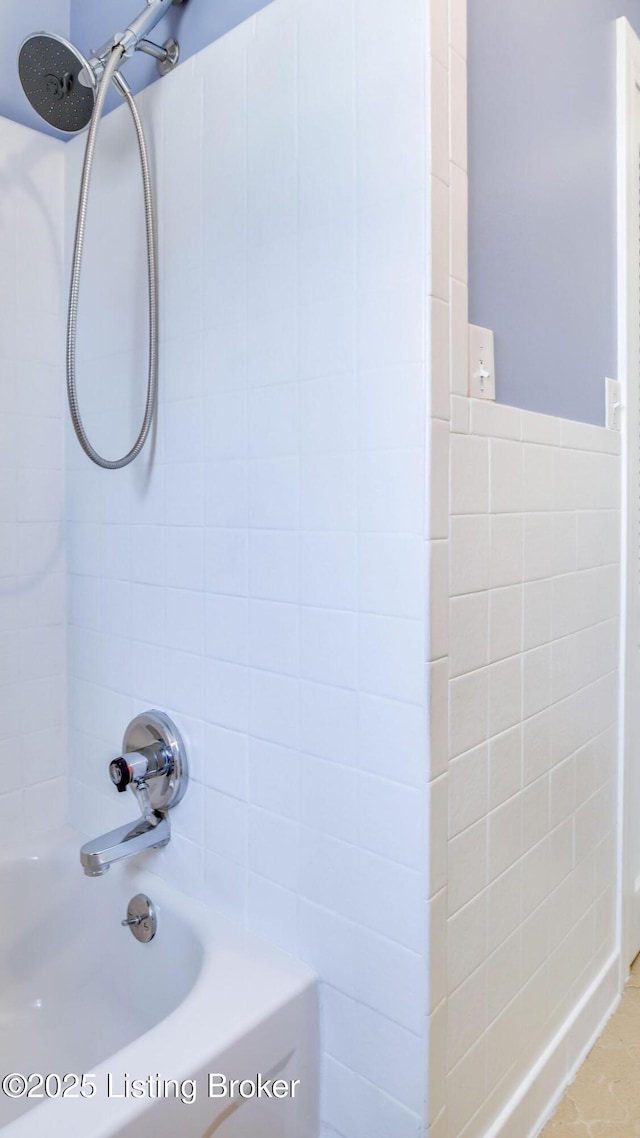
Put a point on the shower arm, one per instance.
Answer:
(132, 39)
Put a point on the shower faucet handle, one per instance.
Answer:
(140, 766)
(120, 774)
(153, 763)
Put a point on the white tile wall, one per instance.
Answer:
(533, 732)
(32, 568)
(445, 643)
(263, 578)
(525, 523)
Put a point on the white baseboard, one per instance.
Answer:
(534, 1101)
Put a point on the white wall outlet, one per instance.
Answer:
(482, 368)
(614, 404)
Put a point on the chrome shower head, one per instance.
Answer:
(49, 68)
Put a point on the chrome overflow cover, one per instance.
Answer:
(141, 918)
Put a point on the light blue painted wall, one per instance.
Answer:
(18, 18)
(542, 196)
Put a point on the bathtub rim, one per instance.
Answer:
(267, 980)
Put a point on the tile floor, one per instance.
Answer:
(604, 1099)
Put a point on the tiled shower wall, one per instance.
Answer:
(263, 578)
(534, 620)
(32, 563)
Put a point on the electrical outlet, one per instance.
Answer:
(614, 404)
(482, 370)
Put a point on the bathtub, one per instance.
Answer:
(162, 1032)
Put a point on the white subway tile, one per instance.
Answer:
(391, 326)
(390, 156)
(468, 711)
(386, 408)
(329, 647)
(389, 820)
(470, 555)
(185, 681)
(536, 680)
(506, 476)
(505, 766)
(273, 912)
(226, 761)
(388, 978)
(225, 425)
(390, 492)
(329, 722)
(541, 429)
(598, 537)
(274, 495)
(535, 812)
(183, 555)
(226, 695)
(392, 739)
(184, 615)
(438, 599)
(391, 658)
(225, 885)
(403, 918)
(458, 87)
(328, 796)
(459, 338)
(505, 836)
(469, 475)
(505, 694)
(274, 636)
(538, 477)
(391, 239)
(273, 565)
(538, 607)
(503, 972)
(504, 906)
(465, 1088)
(270, 346)
(328, 493)
(274, 707)
(226, 628)
(468, 781)
(505, 622)
(437, 706)
(226, 561)
(459, 223)
(438, 500)
(273, 844)
(272, 423)
(467, 1019)
(506, 549)
(327, 943)
(391, 575)
(439, 121)
(467, 933)
(439, 333)
(469, 633)
(327, 415)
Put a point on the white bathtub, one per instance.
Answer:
(79, 995)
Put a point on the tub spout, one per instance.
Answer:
(153, 765)
(99, 855)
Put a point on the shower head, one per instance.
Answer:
(49, 68)
(61, 84)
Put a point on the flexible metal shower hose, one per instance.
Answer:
(110, 71)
